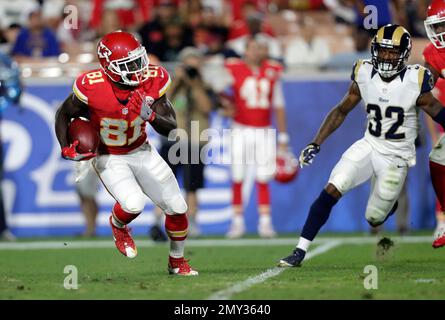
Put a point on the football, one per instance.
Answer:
(83, 130)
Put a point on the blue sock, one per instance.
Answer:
(318, 215)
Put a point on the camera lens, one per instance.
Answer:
(191, 72)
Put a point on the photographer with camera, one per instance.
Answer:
(192, 101)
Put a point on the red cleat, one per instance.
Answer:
(439, 241)
(180, 267)
(123, 240)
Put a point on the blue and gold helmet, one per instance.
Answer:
(390, 49)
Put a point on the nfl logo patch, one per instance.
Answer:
(125, 111)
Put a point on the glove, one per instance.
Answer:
(141, 104)
(307, 155)
(70, 153)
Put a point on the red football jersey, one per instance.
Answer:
(253, 91)
(121, 130)
(436, 58)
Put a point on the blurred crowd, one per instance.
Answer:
(299, 33)
(185, 35)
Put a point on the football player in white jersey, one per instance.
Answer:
(392, 93)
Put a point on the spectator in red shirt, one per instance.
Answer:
(131, 13)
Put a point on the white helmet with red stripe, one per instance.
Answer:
(435, 23)
(287, 167)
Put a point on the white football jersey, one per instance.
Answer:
(391, 106)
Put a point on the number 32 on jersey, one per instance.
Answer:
(375, 124)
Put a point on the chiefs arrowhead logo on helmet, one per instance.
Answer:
(287, 167)
(103, 52)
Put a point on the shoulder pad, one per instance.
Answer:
(80, 88)
(160, 80)
(421, 78)
(360, 70)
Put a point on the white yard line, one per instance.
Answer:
(83, 244)
(270, 273)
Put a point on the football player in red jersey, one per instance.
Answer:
(119, 99)
(434, 55)
(256, 86)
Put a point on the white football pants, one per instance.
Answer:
(362, 162)
(253, 146)
(129, 177)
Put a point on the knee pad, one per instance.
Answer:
(342, 182)
(378, 209)
(176, 205)
(134, 203)
(375, 215)
(389, 186)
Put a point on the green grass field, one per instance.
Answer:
(244, 269)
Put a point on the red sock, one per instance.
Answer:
(437, 172)
(263, 194)
(176, 226)
(236, 194)
(122, 216)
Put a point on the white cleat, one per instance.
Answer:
(180, 267)
(131, 253)
(236, 231)
(266, 231)
(7, 235)
(440, 229)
